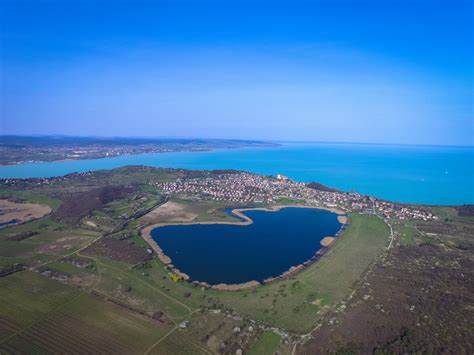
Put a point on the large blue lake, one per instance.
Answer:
(417, 174)
(220, 253)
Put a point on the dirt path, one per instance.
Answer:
(391, 233)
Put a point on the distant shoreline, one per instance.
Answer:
(63, 160)
(165, 259)
(20, 150)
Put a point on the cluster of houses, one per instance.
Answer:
(93, 151)
(240, 187)
(246, 188)
(249, 188)
(14, 182)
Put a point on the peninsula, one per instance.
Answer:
(31, 149)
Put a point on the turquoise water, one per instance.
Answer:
(276, 241)
(417, 174)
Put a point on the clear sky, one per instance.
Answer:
(392, 71)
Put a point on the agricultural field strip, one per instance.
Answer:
(47, 333)
(119, 301)
(191, 311)
(29, 331)
(21, 331)
(53, 310)
(77, 252)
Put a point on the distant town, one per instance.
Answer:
(23, 149)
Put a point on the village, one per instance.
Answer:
(246, 188)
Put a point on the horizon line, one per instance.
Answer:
(281, 141)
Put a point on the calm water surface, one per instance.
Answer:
(417, 174)
(219, 253)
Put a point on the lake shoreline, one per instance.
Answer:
(245, 220)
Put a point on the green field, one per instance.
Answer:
(54, 318)
(51, 242)
(407, 232)
(288, 201)
(30, 196)
(151, 296)
(266, 344)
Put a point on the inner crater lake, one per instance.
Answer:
(233, 254)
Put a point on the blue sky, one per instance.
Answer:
(354, 71)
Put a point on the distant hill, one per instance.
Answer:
(60, 140)
(321, 187)
(465, 210)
